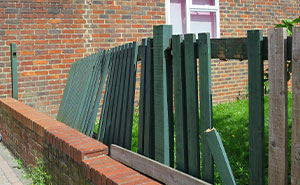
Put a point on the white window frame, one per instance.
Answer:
(201, 8)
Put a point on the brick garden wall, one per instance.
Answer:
(51, 34)
(70, 157)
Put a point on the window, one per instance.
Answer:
(194, 16)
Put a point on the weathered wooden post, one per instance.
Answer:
(278, 114)
(295, 176)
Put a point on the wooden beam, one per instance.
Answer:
(217, 149)
(256, 108)
(152, 168)
(278, 114)
(295, 176)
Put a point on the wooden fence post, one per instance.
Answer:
(206, 119)
(180, 103)
(256, 107)
(14, 70)
(192, 105)
(295, 176)
(278, 115)
(161, 37)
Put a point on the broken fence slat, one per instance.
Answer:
(217, 149)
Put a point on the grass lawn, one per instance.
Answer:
(231, 121)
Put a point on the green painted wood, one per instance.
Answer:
(66, 92)
(170, 99)
(180, 103)
(114, 102)
(131, 93)
(205, 104)
(121, 97)
(102, 76)
(295, 167)
(107, 97)
(192, 105)
(85, 125)
(217, 149)
(149, 103)
(140, 148)
(111, 95)
(256, 108)
(278, 109)
(126, 95)
(162, 34)
(14, 70)
(118, 96)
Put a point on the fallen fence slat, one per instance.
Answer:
(256, 108)
(180, 103)
(153, 168)
(295, 162)
(278, 115)
(192, 105)
(217, 149)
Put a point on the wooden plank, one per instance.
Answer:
(121, 96)
(162, 34)
(14, 70)
(180, 103)
(131, 93)
(295, 162)
(103, 74)
(149, 103)
(111, 94)
(256, 108)
(217, 149)
(278, 114)
(152, 168)
(126, 94)
(192, 105)
(170, 99)
(107, 97)
(140, 149)
(205, 104)
(117, 90)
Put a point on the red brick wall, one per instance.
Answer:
(51, 34)
(238, 16)
(70, 157)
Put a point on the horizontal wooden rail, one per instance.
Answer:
(152, 168)
(235, 48)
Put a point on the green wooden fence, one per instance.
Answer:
(173, 67)
(169, 101)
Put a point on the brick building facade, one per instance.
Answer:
(51, 34)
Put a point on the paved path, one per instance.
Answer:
(9, 173)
